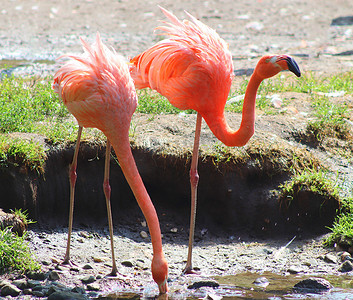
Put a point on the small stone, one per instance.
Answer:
(331, 259)
(312, 285)
(174, 230)
(20, 283)
(294, 270)
(87, 267)
(33, 283)
(78, 289)
(84, 234)
(36, 275)
(9, 289)
(144, 234)
(75, 269)
(93, 287)
(53, 275)
(346, 266)
(143, 224)
(55, 260)
(127, 263)
(99, 259)
(202, 283)
(88, 279)
(261, 281)
(64, 295)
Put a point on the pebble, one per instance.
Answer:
(93, 287)
(144, 234)
(87, 267)
(54, 275)
(329, 258)
(346, 266)
(98, 259)
(203, 283)
(294, 270)
(9, 289)
(312, 285)
(127, 263)
(88, 279)
(63, 295)
(261, 281)
(20, 283)
(36, 275)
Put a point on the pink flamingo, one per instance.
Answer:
(193, 69)
(98, 90)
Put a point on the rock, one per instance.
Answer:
(99, 259)
(294, 270)
(312, 285)
(20, 283)
(64, 295)
(342, 21)
(88, 279)
(87, 267)
(174, 230)
(144, 234)
(9, 289)
(127, 263)
(346, 266)
(261, 281)
(93, 287)
(53, 275)
(36, 275)
(331, 259)
(202, 283)
(78, 289)
(33, 283)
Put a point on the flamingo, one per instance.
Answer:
(193, 69)
(98, 90)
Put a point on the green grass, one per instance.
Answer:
(317, 182)
(15, 253)
(21, 152)
(342, 228)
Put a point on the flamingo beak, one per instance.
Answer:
(293, 66)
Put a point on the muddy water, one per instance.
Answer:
(242, 286)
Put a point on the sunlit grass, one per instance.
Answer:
(15, 253)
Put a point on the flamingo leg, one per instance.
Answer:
(194, 180)
(107, 192)
(73, 177)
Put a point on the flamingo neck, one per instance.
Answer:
(220, 128)
(127, 163)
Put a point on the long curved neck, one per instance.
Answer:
(127, 163)
(220, 128)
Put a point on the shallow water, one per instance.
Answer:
(242, 286)
(281, 287)
(23, 67)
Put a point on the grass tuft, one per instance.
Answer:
(15, 253)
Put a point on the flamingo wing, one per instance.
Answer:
(189, 68)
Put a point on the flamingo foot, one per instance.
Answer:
(190, 270)
(68, 263)
(113, 273)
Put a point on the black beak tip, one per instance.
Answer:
(293, 66)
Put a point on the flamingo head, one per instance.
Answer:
(160, 273)
(270, 65)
